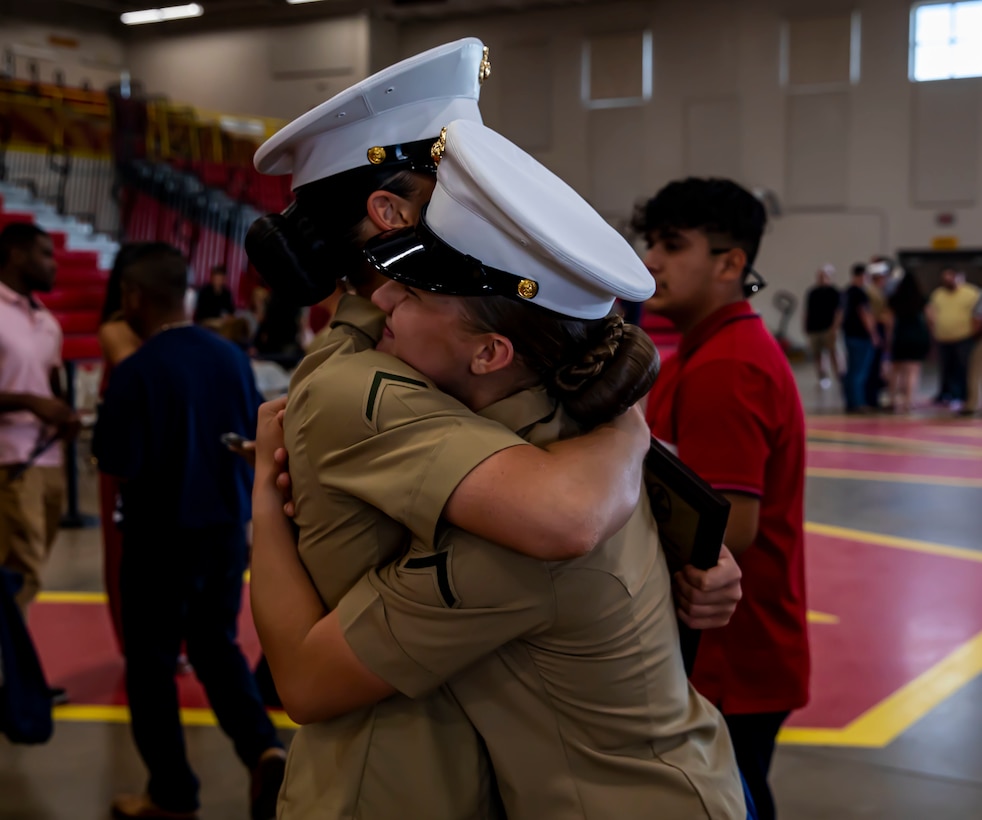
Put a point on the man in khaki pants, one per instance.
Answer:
(33, 419)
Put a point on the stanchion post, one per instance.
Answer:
(73, 518)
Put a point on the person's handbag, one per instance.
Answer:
(25, 698)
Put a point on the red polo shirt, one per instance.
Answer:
(729, 403)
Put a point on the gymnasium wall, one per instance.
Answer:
(808, 100)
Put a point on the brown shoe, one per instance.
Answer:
(264, 786)
(141, 806)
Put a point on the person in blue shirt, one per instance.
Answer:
(186, 501)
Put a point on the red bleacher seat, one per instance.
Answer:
(214, 174)
(8, 217)
(78, 321)
(77, 259)
(77, 347)
(75, 277)
(59, 240)
(87, 297)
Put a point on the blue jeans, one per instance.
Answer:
(186, 585)
(859, 357)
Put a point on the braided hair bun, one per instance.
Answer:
(610, 376)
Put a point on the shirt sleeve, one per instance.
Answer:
(119, 438)
(56, 361)
(422, 620)
(721, 424)
(377, 430)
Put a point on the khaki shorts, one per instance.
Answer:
(30, 512)
(826, 340)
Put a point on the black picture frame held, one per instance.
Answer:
(691, 518)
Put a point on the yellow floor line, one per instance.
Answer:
(921, 445)
(883, 723)
(121, 714)
(890, 450)
(893, 478)
(895, 541)
(947, 424)
(875, 728)
(71, 597)
(833, 531)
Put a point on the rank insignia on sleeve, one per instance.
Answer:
(437, 563)
(380, 382)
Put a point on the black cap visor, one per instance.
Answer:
(420, 259)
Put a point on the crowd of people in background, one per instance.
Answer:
(184, 377)
(889, 324)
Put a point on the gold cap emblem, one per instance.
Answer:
(376, 155)
(439, 147)
(485, 69)
(527, 289)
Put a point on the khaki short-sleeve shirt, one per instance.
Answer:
(373, 447)
(571, 671)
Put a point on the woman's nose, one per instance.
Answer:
(386, 297)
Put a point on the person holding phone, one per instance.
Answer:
(159, 432)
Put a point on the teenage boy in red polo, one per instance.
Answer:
(729, 403)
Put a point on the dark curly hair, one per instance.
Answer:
(717, 206)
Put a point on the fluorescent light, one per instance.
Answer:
(136, 18)
(298, 2)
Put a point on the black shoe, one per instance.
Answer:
(264, 785)
(59, 697)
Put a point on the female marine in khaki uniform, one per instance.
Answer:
(356, 160)
(570, 671)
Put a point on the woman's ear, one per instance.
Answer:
(388, 211)
(493, 353)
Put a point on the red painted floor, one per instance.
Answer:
(948, 466)
(79, 652)
(939, 429)
(899, 613)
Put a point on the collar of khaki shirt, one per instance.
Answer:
(522, 410)
(359, 313)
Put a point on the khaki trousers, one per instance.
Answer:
(974, 377)
(30, 512)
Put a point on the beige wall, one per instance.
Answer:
(859, 169)
(95, 58)
(274, 72)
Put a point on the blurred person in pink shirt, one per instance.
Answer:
(33, 417)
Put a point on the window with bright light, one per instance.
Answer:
(946, 41)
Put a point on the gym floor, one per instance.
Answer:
(895, 598)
